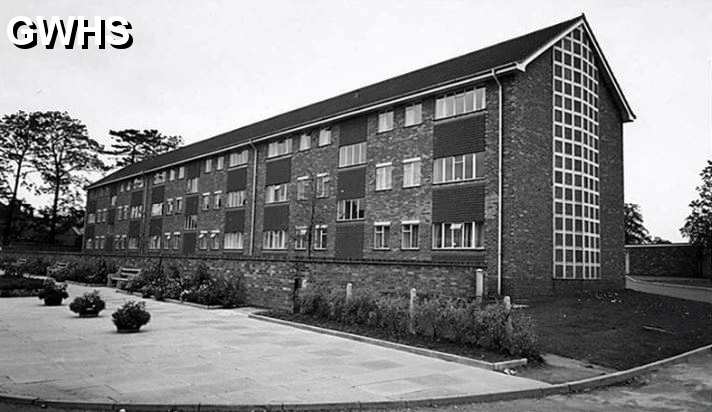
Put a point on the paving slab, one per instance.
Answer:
(191, 355)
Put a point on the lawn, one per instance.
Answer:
(14, 286)
(620, 329)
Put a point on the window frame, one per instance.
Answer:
(407, 227)
(384, 179)
(417, 119)
(381, 235)
(386, 121)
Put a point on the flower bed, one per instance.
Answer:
(18, 286)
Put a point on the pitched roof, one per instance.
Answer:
(508, 53)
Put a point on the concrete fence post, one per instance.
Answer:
(411, 311)
(479, 285)
(508, 328)
(349, 292)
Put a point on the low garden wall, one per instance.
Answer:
(271, 283)
(674, 260)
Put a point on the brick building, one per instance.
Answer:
(408, 169)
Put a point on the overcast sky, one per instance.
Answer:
(204, 67)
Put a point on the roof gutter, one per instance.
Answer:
(499, 182)
(477, 77)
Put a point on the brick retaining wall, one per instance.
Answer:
(677, 260)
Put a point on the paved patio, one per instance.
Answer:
(191, 355)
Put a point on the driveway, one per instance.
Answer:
(191, 355)
(645, 285)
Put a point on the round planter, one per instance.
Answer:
(132, 330)
(89, 314)
(53, 301)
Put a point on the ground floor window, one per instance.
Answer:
(233, 240)
(203, 240)
(154, 242)
(215, 240)
(274, 239)
(410, 235)
(176, 240)
(167, 240)
(320, 237)
(133, 243)
(300, 238)
(458, 235)
(381, 233)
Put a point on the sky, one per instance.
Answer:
(200, 68)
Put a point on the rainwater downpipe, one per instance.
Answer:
(254, 198)
(499, 183)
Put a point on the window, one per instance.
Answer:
(236, 199)
(181, 172)
(133, 243)
(208, 165)
(215, 239)
(413, 114)
(233, 240)
(349, 209)
(409, 235)
(157, 209)
(320, 237)
(411, 172)
(167, 240)
(219, 162)
(384, 176)
(322, 185)
(136, 212)
(191, 222)
(169, 206)
(126, 212)
(172, 175)
(176, 240)
(353, 154)
(179, 205)
(324, 136)
(457, 168)
(279, 148)
(159, 178)
(300, 238)
(276, 193)
(154, 242)
(90, 243)
(458, 103)
(217, 200)
(192, 185)
(468, 235)
(237, 158)
(302, 187)
(385, 121)
(304, 141)
(381, 233)
(91, 218)
(138, 183)
(203, 240)
(206, 201)
(274, 239)
(113, 200)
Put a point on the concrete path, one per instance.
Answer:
(696, 293)
(191, 355)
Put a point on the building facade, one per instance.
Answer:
(409, 169)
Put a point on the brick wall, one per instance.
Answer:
(270, 282)
(678, 260)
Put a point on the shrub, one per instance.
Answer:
(88, 304)
(52, 292)
(131, 316)
(93, 271)
(15, 286)
(205, 288)
(34, 267)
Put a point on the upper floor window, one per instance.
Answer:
(351, 209)
(353, 154)
(191, 222)
(274, 239)
(138, 183)
(279, 148)
(219, 162)
(208, 165)
(136, 212)
(181, 172)
(324, 136)
(320, 237)
(159, 178)
(381, 235)
(169, 206)
(179, 205)
(304, 141)
(192, 185)
(322, 185)
(236, 198)
(384, 176)
(157, 209)
(385, 121)
(413, 114)
(461, 235)
(91, 218)
(276, 193)
(459, 103)
(206, 201)
(172, 175)
(217, 200)
(411, 172)
(457, 168)
(237, 158)
(113, 201)
(302, 187)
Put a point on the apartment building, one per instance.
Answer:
(509, 157)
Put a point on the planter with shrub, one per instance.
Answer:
(88, 305)
(130, 317)
(53, 293)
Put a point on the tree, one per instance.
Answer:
(133, 146)
(657, 240)
(698, 225)
(18, 138)
(635, 231)
(66, 153)
(310, 209)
